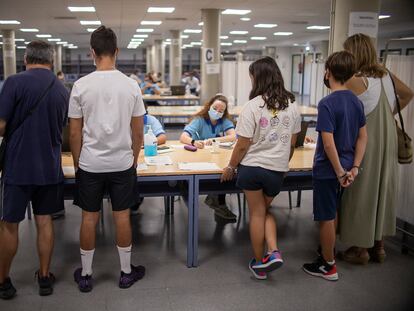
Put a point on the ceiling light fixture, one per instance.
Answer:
(318, 27)
(19, 40)
(235, 12)
(185, 36)
(226, 43)
(153, 9)
(224, 37)
(81, 8)
(383, 16)
(240, 41)
(201, 24)
(29, 29)
(91, 29)
(85, 23)
(192, 30)
(283, 33)
(245, 19)
(140, 36)
(239, 32)
(265, 25)
(62, 42)
(54, 40)
(145, 30)
(9, 22)
(44, 36)
(157, 23)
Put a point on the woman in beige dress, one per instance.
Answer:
(367, 212)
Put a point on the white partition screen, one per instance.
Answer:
(244, 84)
(228, 79)
(403, 68)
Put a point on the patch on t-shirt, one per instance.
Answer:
(264, 122)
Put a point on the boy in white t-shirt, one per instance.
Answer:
(106, 118)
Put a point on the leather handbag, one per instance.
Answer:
(8, 134)
(405, 145)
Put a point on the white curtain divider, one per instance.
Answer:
(318, 89)
(403, 68)
(228, 80)
(244, 84)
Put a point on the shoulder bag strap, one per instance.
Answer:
(30, 112)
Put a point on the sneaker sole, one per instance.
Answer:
(270, 266)
(333, 277)
(45, 291)
(9, 295)
(258, 277)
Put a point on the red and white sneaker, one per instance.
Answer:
(321, 269)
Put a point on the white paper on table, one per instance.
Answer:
(165, 150)
(68, 170)
(142, 167)
(198, 166)
(176, 146)
(158, 160)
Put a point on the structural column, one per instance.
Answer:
(57, 61)
(159, 57)
(175, 58)
(149, 58)
(210, 54)
(340, 12)
(9, 53)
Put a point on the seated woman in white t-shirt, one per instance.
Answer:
(266, 130)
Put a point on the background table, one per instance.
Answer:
(162, 112)
(173, 100)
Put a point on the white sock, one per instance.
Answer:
(125, 258)
(87, 258)
(331, 262)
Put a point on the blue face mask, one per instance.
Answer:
(215, 115)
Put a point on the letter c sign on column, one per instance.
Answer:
(208, 55)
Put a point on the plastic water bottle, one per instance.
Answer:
(150, 143)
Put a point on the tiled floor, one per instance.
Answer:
(221, 282)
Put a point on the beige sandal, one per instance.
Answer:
(356, 256)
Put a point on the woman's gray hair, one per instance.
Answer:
(39, 52)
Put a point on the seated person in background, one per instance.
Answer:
(156, 127)
(212, 124)
(192, 83)
(160, 82)
(61, 76)
(149, 86)
(134, 76)
(159, 132)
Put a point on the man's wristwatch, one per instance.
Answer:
(192, 142)
(228, 167)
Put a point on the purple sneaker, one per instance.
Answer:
(269, 262)
(257, 274)
(84, 282)
(126, 280)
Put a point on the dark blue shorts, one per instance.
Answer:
(257, 178)
(326, 196)
(14, 199)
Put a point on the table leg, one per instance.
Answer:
(195, 221)
(190, 225)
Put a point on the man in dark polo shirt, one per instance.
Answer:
(32, 171)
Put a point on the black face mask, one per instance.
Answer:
(326, 81)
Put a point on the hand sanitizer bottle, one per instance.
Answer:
(150, 143)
